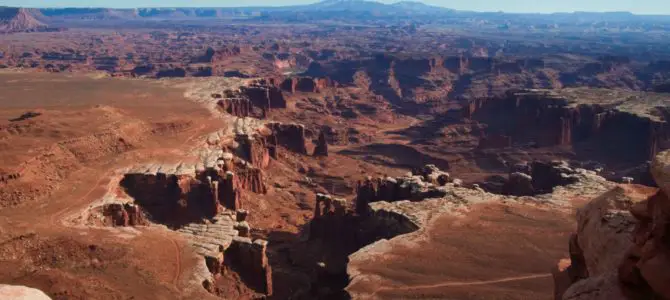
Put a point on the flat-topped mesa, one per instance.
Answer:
(622, 246)
(416, 186)
(567, 117)
(290, 136)
(264, 96)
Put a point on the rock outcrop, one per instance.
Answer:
(519, 184)
(538, 178)
(573, 116)
(621, 248)
(124, 215)
(415, 186)
(290, 136)
(250, 260)
(306, 84)
(15, 292)
(264, 96)
(321, 148)
(239, 107)
(182, 193)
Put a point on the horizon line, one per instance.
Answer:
(298, 5)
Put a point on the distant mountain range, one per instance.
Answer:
(20, 19)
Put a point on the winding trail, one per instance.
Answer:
(53, 220)
(458, 284)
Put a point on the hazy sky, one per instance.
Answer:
(636, 6)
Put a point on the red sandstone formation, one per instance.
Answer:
(620, 250)
(290, 136)
(327, 205)
(306, 84)
(250, 260)
(321, 148)
(240, 107)
(254, 149)
(182, 197)
(124, 215)
(265, 97)
(563, 119)
(425, 183)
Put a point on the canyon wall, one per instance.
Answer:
(543, 119)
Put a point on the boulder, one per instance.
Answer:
(16, 292)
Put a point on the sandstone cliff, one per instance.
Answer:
(572, 117)
(620, 250)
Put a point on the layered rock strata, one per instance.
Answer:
(224, 245)
(571, 116)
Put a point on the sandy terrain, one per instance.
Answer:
(497, 251)
(84, 263)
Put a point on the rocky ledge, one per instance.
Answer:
(410, 215)
(621, 249)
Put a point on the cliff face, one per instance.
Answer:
(545, 119)
(181, 194)
(250, 260)
(621, 248)
(290, 136)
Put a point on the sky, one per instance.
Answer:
(543, 6)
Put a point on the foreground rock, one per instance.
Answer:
(15, 292)
(621, 247)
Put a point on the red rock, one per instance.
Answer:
(265, 97)
(239, 107)
(321, 148)
(251, 262)
(229, 191)
(290, 136)
(255, 150)
(366, 192)
(124, 215)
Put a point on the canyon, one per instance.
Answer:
(338, 150)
